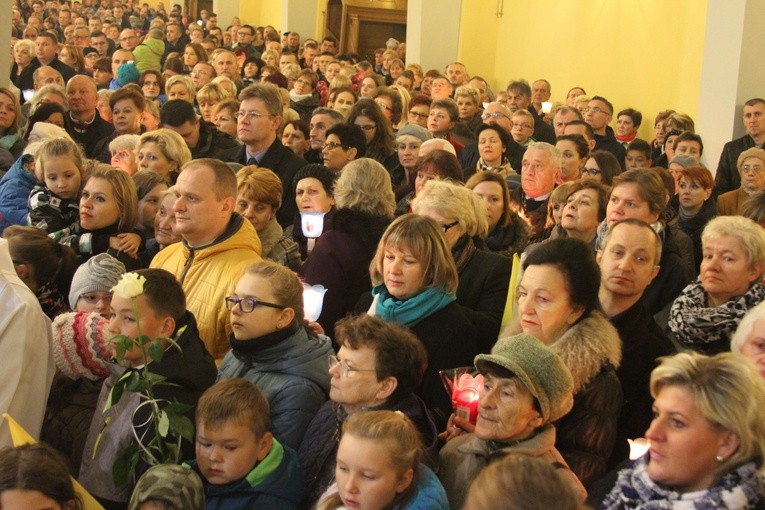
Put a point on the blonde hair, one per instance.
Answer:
(183, 80)
(750, 235)
(16, 125)
(423, 238)
(454, 202)
(285, 285)
(124, 142)
(470, 92)
(125, 194)
(170, 143)
(58, 147)
(212, 92)
(223, 82)
(746, 326)
(365, 185)
(260, 185)
(728, 391)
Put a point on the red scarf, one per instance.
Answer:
(626, 139)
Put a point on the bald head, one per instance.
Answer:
(429, 146)
(82, 96)
(45, 75)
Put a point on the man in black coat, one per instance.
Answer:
(46, 54)
(260, 115)
(496, 114)
(727, 177)
(628, 262)
(519, 98)
(83, 123)
(203, 140)
(598, 114)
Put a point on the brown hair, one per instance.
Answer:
(285, 284)
(260, 185)
(234, 400)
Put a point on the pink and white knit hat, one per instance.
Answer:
(81, 345)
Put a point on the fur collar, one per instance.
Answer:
(587, 347)
(367, 228)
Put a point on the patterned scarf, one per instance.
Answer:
(693, 322)
(739, 488)
(504, 169)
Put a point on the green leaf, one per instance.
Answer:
(164, 424)
(116, 392)
(142, 340)
(156, 351)
(173, 342)
(153, 378)
(122, 344)
(133, 382)
(182, 426)
(177, 408)
(123, 467)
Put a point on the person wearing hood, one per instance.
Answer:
(188, 371)
(378, 366)
(148, 54)
(272, 347)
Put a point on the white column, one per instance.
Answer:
(5, 56)
(432, 32)
(226, 11)
(300, 16)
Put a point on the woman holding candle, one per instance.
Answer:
(526, 388)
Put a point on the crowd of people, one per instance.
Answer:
(235, 170)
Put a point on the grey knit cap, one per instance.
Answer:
(685, 160)
(415, 131)
(540, 370)
(174, 485)
(99, 274)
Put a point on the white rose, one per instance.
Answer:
(129, 286)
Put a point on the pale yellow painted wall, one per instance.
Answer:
(644, 54)
(261, 12)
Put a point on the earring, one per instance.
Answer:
(719, 458)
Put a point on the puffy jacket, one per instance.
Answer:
(292, 375)
(15, 187)
(148, 55)
(208, 274)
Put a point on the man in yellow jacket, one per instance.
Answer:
(217, 246)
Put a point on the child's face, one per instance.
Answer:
(96, 301)
(123, 322)
(17, 498)
(262, 320)
(62, 176)
(366, 479)
(226, 453)
(250, 69)
(636, 159)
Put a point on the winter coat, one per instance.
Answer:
(93, 134)
(189, 373)
(275, 483)
(210, 273)
(465, 456)
(213, 143)
(693, 227)
(469, 157)
(15, 187)
(148, 55)
(278, 247)
(509, 240)
(729, 204)
(293, 377)
(340, 262)
(672, 278)
(319, 447)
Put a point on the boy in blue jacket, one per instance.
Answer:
(241, 464)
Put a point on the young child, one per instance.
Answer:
(189, 371)
(387, 444)
(54, 201)
(91, 288)
(638, 154)
(242, 466)
(523, 127)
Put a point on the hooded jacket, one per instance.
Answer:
(210, 273)
(15, 187)
(148, 55)
(293, 377)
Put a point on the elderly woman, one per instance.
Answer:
(483, 276)
(558, 304)
(707, 313)
(508, 232)
(162, 151)
(340, 259)
(437, 165)
(314, 195)
(751, 166)
(303, 96)
(182, 87)
(469, 108)
(749, 338)
(23, 53)
(707, 438)
(408, 141)
(584, 210)
(526, 388)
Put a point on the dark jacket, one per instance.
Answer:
(277, 482)
(609, 143)
(469, 157)
(727, 177)
(319, 447)
(285, 164)
(94, 133)
(543, 132)
(643, 343)
(213, 143)
(693, 228)
(189, 373)
(482, 290)
(509, 240)
(534, 210)
(672, 278)
(340, 262)
(26, 80)
(292, 375)
(305, 107)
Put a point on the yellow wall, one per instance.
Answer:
(644, 54)
(261, 12)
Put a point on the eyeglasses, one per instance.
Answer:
(92, 299)
(592, 172)
(447, 226)
(304, 82)
(755, 169)
(249, 304)
(595, 109)
(384, 106)
(367, 128)
(418, 115)
(345, 370)
(493, 115)
(332, 146)
(241, 115)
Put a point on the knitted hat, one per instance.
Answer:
(99, 274)
(542, 372)
(754, 152)
(81, 343)
(127, 73)
(175, 485)
(685, 160)
(415, 131)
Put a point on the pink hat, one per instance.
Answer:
(81, 345)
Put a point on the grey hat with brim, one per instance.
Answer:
(540, 370)
(415, 131)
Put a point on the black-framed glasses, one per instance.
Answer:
(447, 226)
(248, 304)
(345, 370)
(592, 172)
(332, 146)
